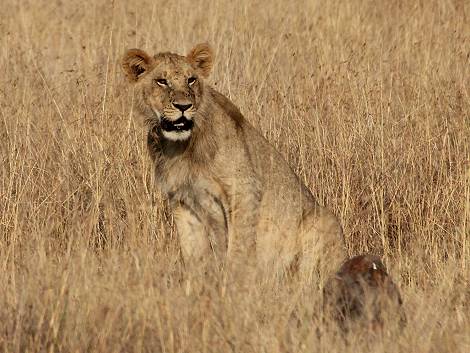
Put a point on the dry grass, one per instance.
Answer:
(368, 100)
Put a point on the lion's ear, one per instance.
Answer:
(201, 58)
(135, 63)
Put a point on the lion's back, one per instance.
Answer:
(284, 199)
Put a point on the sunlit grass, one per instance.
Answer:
(367, 100)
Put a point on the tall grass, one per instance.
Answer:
(367, 100)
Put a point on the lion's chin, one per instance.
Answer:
(176, 135)
(178, 130)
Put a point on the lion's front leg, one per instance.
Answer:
(245, 205)
(192, 234)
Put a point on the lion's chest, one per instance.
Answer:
(201, 195)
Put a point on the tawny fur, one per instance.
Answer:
(232, 194)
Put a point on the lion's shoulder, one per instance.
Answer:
(228, 107)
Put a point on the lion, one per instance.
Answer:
(231, 193)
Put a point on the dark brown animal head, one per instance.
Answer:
(362, 292)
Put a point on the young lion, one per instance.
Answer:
(230, 191)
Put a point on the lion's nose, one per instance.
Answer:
(182, 107)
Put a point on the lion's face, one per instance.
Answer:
(170, 87)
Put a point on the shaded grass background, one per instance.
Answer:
(367, 100)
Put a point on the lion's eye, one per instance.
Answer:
(191, 80)
(161, 82)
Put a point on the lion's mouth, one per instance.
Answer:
(181, 124)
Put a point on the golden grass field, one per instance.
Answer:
(369, 101)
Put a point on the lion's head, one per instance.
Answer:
(170, 87)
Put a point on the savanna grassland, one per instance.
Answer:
(369, 101)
